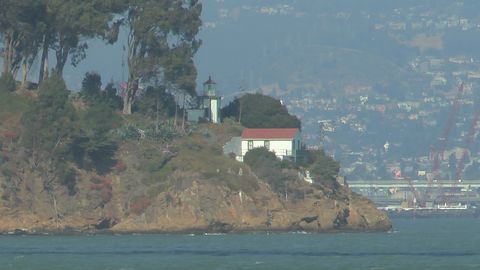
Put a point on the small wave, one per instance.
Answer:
(214, 234)
(300, 232)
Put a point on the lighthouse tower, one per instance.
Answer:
(210, 102)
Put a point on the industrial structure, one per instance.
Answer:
(434, 193)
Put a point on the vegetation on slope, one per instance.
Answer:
(260, 111)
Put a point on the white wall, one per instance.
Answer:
(279, 147)
(214, 110)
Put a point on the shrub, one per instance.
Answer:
(156, 102)
(7, 83)
(256, 156)
(11, 135)
(104, 186)
(140, 204)
(260, 111)
(69, 179)
(120, 166)
(127, 132)
(49, 118)
(323, 168)
(266, 166)
(91, 86)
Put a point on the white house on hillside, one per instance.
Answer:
(284, 142)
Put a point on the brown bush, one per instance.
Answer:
(140, 204)
(120, 166)
(104, 186)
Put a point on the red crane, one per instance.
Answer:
(439, 155)
(468, 141)
(446, 132)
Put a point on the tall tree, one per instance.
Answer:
(71, 22)
(161, 45)
(9, 14)
(48, 124)
(19, 23)
(48, 128)
(30, 27)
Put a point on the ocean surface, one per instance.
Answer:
(441, 243)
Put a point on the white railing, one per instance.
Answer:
(278, 152)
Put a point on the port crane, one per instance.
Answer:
(468, 140)
(467, 143)
(438, 155)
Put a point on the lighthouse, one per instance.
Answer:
(210, 101)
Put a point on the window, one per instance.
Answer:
(266, 144)
(250, 145)
(298, 144)
(293, 145)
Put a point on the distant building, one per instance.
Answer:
(284, 142)
(208, 105)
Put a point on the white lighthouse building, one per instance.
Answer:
(208, 104)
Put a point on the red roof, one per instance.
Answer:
(269, 133)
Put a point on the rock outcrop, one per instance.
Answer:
(196, 206)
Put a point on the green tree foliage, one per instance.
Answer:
(30, 27)
(110, 97)
(256, 156)
(156, 103)
(93, 146)
(48, 124)
(267, 167)
(161, 44)
(91, 86)
(323, 168)
(7, 83)
(19, 34)
(70, 21)
(56, 134)
(48, 129)
(93, 94)
(260, 111)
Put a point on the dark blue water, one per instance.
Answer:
(446, 243)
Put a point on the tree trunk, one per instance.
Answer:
(127, 104)
(240, 110)
(7, 54)
(129, 96)
(44, 61)
(14, 71)
(24, 74)
(157, 117)
(61, 61)
(183, 113)
(175, 118)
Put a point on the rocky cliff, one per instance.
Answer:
(191, 205)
